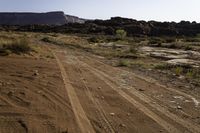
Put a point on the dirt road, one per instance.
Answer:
(76, 92)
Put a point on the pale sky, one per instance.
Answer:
(160, 10)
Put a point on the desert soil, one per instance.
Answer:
(76, 92)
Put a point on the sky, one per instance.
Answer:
(159, 10)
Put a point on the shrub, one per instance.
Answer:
(15, 46)
(178, 70)
(170, 40)
(187, 47)
(190, 74)
(96, 39)
(192, 40)
(123, 63)
(155, 41)
(46, 39)
(163, 66)
(121, 34)
(133, 50)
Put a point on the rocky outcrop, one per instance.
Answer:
(74, 19)
(50, 18)
(58, 22)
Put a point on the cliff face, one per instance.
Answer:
(59, 22)
(50, 18)
(74, 19)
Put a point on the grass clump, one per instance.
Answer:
(46, 39)
(96, 39)
(123, 63)
(162, 66)
(15, 46)
(133, 50)
(178, 70)
(157, 41)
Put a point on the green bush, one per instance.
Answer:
(123, 63)
(121, 34)
(179, 70)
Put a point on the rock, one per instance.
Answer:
(184, 62)
(196, 102)
(179, 107)
(102, 97)
(99, 88)
(8, 83)
(181, 77)
(112, 114)
(141, 89)
(122, 125)
(178, 97)
(128, 114)
(39, 92)
(36, 73)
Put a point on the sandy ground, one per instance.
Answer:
(77, 93)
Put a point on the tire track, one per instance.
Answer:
(22, 114)
(11, 103)
(100, 111)
(82, 120)
(149, 80)
(191, 127)
(170, 128)
(57, 98)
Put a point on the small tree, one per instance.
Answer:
(121, 34)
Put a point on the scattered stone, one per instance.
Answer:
(39, 92)
(179, 107)
(187, 101)
(141, 89)
(128, 114)
(112, 114)
(196, 102)
(122, 125)
(178, 97)
(36, 73)
(8, 83)
(181, 77)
